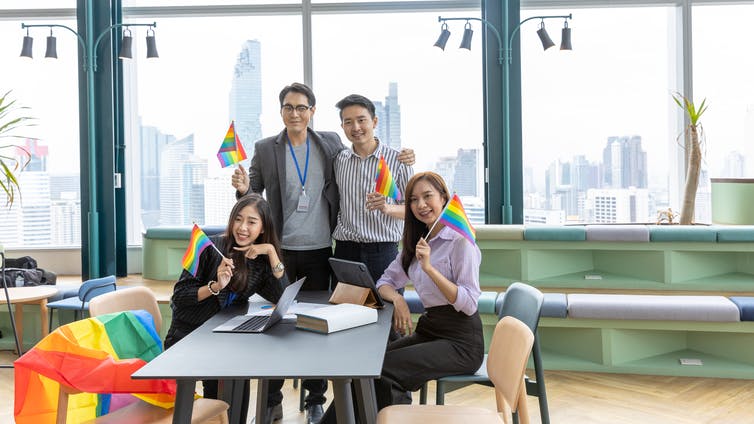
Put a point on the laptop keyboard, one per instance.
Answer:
(253, 323)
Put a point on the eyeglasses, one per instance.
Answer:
(288, 109)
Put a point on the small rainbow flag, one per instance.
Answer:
(385, 184)
(231, 151)
(97, 357)
(199, 241)
(455, 217)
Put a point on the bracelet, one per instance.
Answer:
(209, 287)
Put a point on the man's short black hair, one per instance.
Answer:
(355, 100)
(297, 87)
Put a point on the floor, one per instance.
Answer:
(574, 397)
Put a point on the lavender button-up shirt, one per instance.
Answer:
(455, 258)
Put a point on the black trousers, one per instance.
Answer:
(446, 342)
(376, 256)
(313, 265)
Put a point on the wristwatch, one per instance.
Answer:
(278, 268)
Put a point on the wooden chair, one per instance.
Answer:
(208, 411)
(523, 302)
(127, 299)
(506, 365)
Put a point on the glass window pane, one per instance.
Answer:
(210, 70)
(435, 95)
(595, 120)
(48, 213)
(723, 75)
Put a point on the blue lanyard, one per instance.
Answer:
(295, 161)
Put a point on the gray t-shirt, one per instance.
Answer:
(305, 230)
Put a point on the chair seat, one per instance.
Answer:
(208, 411)
(437, 414)
(68, 303)
(479, 375)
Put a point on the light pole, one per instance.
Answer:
(505, 59)
(89, 46)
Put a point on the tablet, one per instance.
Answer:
(355, 273)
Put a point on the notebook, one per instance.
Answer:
(261, 323)
(357, 274)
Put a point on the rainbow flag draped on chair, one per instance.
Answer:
(199, 241)
(385, 184)
(231, 151)
(97, 357)
(454, 216)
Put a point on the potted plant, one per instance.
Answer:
(693, 137)
(13, 158)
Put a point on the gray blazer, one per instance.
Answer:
(267, 172)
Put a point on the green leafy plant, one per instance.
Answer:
(13, 158)
(693, 137)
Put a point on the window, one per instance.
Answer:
(595, 119)
(48, 212)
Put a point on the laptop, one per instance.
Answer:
(261, 323)
(357, 274)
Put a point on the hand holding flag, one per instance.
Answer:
(385, 184)
(231, 150)
(198, 242)
(454, 216)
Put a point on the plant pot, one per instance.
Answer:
(732, 201)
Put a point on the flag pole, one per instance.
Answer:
(440, 216)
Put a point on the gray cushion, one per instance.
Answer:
(652, 307)
(617, 233)
(555, 305)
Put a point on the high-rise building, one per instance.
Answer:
(218, 200)
(446, 168)
(246, 95)
(389, 118)
(735, 165)
(624, 163)
(153, 144)
(182, 177)
(465, 176)
(611, 206)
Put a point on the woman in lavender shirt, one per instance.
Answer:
(444, 268)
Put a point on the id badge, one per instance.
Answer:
(303, 202)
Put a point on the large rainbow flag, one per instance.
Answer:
(199, 241)
(231, 151)
(454, 216)
(96, 356)
(385, 184)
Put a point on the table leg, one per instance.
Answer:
(19, 317)
(44, 318)
(343, 402)
(184, 402)
(366, 400)
(263, 387)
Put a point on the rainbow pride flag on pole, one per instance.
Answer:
(231, 151)
(385, 184)
(454, 216)
(198, 242)
(97, 357)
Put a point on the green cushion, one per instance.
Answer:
(182, 232)
(701, 233)
(555, 233)
(735, 233)
(499, 232)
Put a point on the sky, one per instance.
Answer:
(617, 81)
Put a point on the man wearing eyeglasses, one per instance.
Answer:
(295, 170)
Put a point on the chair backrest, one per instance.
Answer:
(95, 287)
(507, 358)
(127, 299)
(524, 303)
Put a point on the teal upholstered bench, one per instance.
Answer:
(163, 249)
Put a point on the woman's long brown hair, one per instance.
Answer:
(413, 229)
(268, 235)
